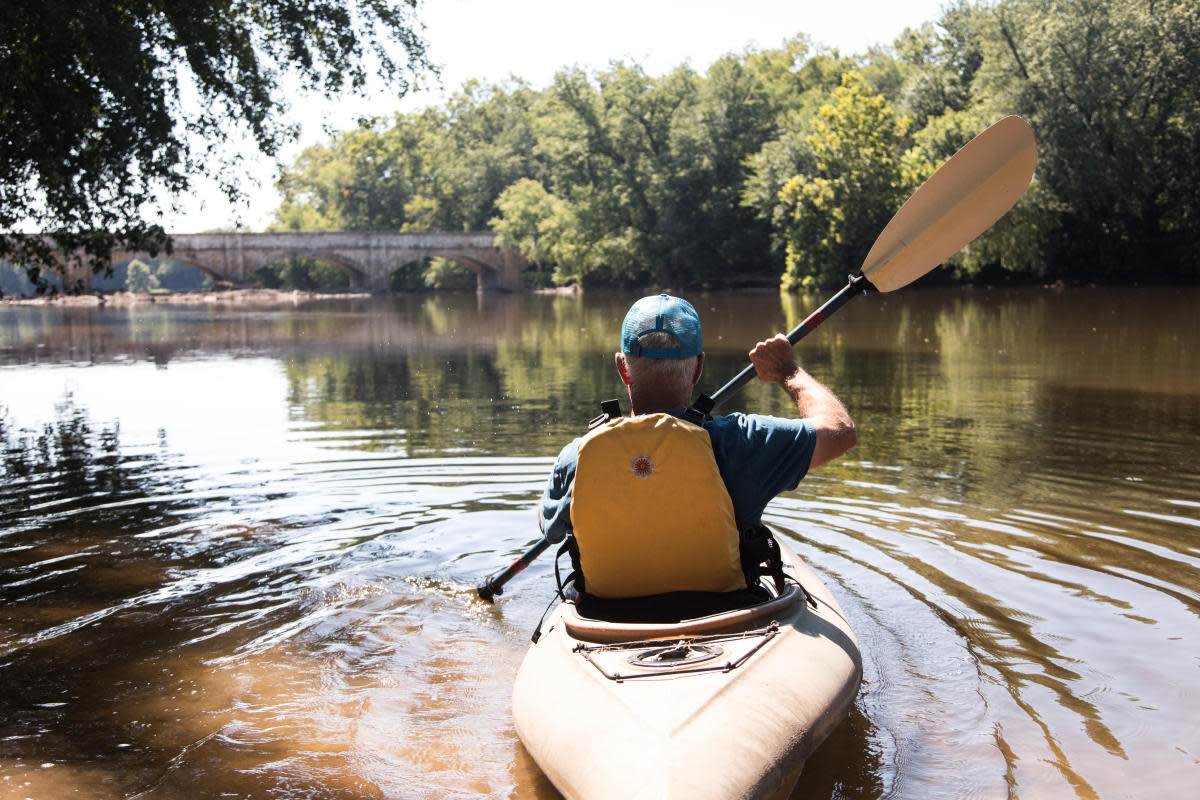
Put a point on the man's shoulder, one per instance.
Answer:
(750, 424)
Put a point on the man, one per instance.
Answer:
(657, 505)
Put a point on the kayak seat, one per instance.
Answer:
(668, 607)
(761, 564)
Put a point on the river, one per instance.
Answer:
(238, 545)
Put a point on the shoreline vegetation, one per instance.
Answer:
(785, 161)
(260, 297)
(240, 297)
(792, 159)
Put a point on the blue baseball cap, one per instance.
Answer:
(662, 313)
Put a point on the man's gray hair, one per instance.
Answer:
(674, 372)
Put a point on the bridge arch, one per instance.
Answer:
(350, 268)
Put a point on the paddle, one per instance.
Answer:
(965, 197)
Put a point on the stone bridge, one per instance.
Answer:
(369, 258)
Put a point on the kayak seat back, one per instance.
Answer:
(667, 607)
(607, 631)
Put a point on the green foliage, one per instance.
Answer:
(1112, 89)
(791, 160)
(644, 175)
(358, 182)
(94, 100)
(786, 161)
(944, 60)
(448, 275)
(860, 175)
(305, 274)
(439, 169)
(140, 277)
(534, 222)
(609, 144)
(154, 275)
(803, 91)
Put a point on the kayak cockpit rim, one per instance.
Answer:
(741, 619)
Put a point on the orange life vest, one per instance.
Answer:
(650, 511)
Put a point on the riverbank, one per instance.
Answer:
(233, 297)
(237, 297)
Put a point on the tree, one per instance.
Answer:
(609, 149)
(94, 102)
(1110, 88)
(801, 83)
(861, 174)
(438, 169)
(527, 221)
(710, 230)
(362, 180)
(485, 144)
(141, 277)
(945, 59)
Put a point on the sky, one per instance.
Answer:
(532, 39)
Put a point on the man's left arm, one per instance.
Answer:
(554, 510)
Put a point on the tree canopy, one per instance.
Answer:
(782, 163)
(789, 161)
(107, 107)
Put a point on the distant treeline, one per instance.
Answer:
(789, 161)
(152, 276)
(158, 276)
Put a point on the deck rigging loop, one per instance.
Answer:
(683, 656)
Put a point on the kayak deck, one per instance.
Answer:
(724, 706)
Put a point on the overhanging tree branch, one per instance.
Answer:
(95, 127)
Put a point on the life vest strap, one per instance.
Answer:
(609, 409)
(761, 556)
(700, 411)
(697, 413)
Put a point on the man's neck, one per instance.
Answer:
(650, 404)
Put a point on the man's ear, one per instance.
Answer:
(699, 369)
(619, 358)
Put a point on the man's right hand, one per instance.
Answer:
(774, 360)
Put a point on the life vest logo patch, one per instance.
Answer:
(643, 466)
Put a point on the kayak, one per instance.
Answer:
(725, 706)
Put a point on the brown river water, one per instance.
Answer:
(238, 546)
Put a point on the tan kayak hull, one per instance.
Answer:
(720, 733)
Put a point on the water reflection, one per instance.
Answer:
(264, 655)
(239, 553)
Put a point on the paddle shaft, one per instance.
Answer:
(857, 285)
(493, 587)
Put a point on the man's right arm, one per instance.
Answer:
(775, 362)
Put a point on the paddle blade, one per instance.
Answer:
(973, 189)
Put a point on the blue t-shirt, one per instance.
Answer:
(758, 456)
